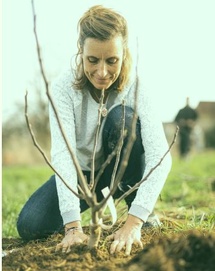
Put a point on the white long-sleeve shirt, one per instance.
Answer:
(78, 113)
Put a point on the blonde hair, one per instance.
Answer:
(102, 24)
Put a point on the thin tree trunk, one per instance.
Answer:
(95, 230)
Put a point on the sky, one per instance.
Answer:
(176, 44)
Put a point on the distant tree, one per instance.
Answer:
(14, 129)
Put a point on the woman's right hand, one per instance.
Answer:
(71, 238)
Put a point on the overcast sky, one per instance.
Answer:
(176, 43)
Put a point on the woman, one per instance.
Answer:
(103, 62)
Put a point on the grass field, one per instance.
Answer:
(188, 195)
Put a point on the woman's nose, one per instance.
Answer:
(102, 70)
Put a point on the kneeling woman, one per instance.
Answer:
(103, 61)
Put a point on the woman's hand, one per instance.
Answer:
(129, 234)
(70, 239)
(73, 235)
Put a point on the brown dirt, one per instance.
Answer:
(163, 251)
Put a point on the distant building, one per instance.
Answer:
(206, 111)
(206, 122)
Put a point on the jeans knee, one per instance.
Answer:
(23, 232)
(115, 116)
(113, 126)
(28, 227)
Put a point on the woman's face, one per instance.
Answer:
(102, 61)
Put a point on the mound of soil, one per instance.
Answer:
(193, 251)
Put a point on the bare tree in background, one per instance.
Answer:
(39, 115)
(16, 142)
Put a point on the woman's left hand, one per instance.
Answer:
(129, 234)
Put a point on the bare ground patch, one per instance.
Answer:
(163, 250)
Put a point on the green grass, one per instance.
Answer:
(187, 194)
(18, 183)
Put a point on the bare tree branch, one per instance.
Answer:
(108, 160)
(82, 180)
(36, 144)
(151, 170)
(92, 175)
(127, 150)
(121, 141)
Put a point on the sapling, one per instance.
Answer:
(87, 191)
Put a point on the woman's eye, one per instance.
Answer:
(112, 60)
(92, 59)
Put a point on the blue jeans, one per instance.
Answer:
(40, 216)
